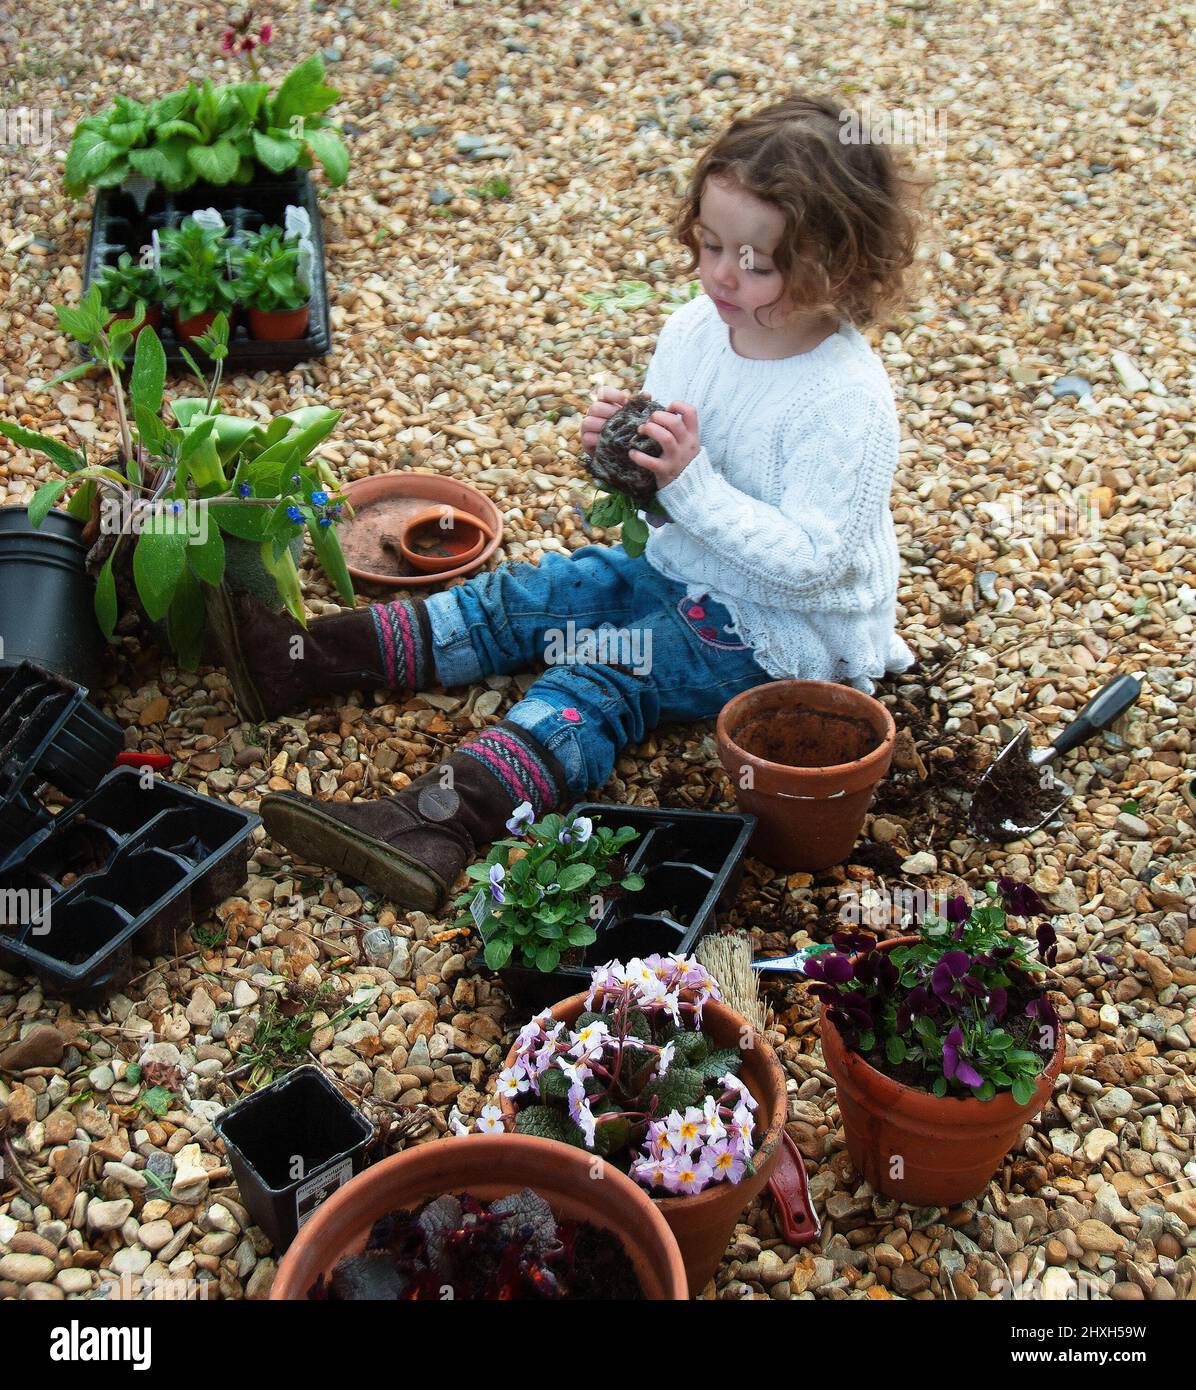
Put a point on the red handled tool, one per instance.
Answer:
(158, 761)
(790, 1191)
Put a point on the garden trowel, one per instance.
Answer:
(1020, 792)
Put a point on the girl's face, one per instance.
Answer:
(737, 234)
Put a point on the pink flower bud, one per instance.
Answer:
(267, 33)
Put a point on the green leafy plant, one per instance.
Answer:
(267, 272)
(498, 187)
(634, 294)
(613, 508)
(175, 491)
(219, 135)
(122, 285)
(543, 888)
(196, 267)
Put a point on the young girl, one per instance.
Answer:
(778, 558)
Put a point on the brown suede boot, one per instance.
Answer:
(275, 665)
(412, 846)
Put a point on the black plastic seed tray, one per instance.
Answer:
(691, 863)
(119, 225)
(124, 869)
(291, 1145)
(49, 732)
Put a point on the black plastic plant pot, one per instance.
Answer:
(290, 1146)
(691, 864)
(119, 224)
(121, 872)
(47, 599)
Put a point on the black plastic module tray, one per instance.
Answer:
(125, 867)
(691, 863)
(119, 225)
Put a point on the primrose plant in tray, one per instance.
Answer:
(543, 888)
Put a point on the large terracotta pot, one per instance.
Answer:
(805, 758)
(949, 1146)
(704, 1224)
(489, 1166)
(194, 327)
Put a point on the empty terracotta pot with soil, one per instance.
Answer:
(805, 758)
(487, 1166)
(704, 1223)
(927, 1150)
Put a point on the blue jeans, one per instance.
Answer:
(626, 650)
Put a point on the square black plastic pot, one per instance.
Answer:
(691, 862)
(118, 224)
(291, 1145)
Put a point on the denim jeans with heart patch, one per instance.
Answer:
(625, 650)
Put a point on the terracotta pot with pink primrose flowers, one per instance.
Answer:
(650, 1072)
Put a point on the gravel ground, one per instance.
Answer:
(1059, 247)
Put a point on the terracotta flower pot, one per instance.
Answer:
(805, 758)
(948, 1146)
(704, 1223)
(433, 548)
(153, 319)
(489, 1166)
(196, 325)
(278, 325)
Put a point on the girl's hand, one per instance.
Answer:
(606, 403)
(676, 430)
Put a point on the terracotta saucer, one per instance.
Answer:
(384, 504)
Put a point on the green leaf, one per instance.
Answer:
(581, 935)
(573, 876)
(55, 450)
(249, 523)
(157, 1100)
(548, 958)
(216, 163)
(105, 597)
(635, 535)
(498, 951)
(207, 559)
(1023, 1090)
(940, 1086)
(326, 543)
(985, 1091)
(302, 93)
(546, 872)
(329, 149)
(895, 1050)
(633, 883)
(44, 499)
(158, 564)
(276, 151)
(149, 372)
(185, 620)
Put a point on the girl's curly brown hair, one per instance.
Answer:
(852, 211)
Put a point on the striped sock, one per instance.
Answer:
(527, 772)
(404, 637)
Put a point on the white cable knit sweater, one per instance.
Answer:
(783, 516)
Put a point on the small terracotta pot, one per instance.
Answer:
(948, 1146)
(704, 1223)
(278, 325)
(810, 754)
(461, 542)
(489, 1166)
(153, 319)
(196, 325)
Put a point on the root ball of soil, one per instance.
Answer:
(610, 463)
